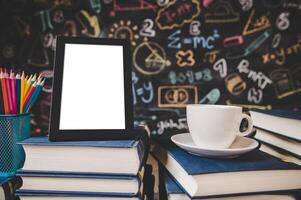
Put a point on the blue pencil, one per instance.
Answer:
(18, 90)
(34, 96)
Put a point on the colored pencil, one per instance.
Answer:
(22, 92)
(28, 95)
(27, 85)
(1, 100)
(4, 94)
(8, 90)
(18, 92)
(13, 92)
(34, 96)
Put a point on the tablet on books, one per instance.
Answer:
(92, 98)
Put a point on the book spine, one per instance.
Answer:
(142, 146)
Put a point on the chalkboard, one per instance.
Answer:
(236, 52)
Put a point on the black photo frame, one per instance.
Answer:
(76, 134)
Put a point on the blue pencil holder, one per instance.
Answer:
(13, 129)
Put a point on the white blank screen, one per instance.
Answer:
(93, 88)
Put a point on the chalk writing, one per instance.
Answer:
(118, 6)
(221, 12)
(177, 96)
(261, 79)
(279, 56)
(296, 4)
(177, 13)
(255, 25)
(45, 18)
(48, 76)
(92, 28)
(255, 95)
(58, 17)
(185, 58)
(189, 76)
(282, 21)
(147, 28)
(124, 30)
(286, 83)
(231, 41)
(234, 84)
(143, 90)
(49, 41)
(194, 28)
(179, 124)
(212, 97)
(255, 44)
(276, 40)
(207, 3)
(177, 42)
(221, 67)
(95, 5)
(262, 107)
(149, 58)
(162, 2)
(8, 51)
(210, 56)
(246, 4)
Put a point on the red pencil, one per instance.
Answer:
(8, 90)
(29, 93)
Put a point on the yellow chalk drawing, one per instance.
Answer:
(185, 58)
(259, 24)
(124, 30)
(177, 96)
(149, 58)
(196, 4)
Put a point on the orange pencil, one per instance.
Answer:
(29, 93)
(4, 93)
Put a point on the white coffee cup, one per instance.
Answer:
(216, 126)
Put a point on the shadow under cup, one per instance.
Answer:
(13, 129)
(213, 126)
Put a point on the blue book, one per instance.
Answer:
(281, 122)
(123, 157)
(170, 190)
(101, 184)
(56, 195)
(250, 173)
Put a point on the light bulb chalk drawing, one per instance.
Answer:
(124, 30)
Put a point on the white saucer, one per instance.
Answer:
(240, 146)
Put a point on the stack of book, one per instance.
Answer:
(84, 170)
(279, 132)
(255, 175)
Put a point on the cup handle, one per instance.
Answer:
(250, 125)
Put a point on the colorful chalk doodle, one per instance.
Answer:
(177, 13)
(149, 58)
(235, 52)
